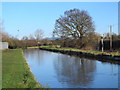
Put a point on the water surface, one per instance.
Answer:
(64, 71)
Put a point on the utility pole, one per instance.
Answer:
(110, 37)
(102, 43)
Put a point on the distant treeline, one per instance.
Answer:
(27, 43)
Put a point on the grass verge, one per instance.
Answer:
(0, 69)
(15, 71)
(93, 52)
(32, 47)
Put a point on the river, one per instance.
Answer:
(58, 70)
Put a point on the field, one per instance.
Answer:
(15, 71)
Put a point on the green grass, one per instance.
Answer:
(94, 52)
(32, 47)
(0, 69)
(15, 71)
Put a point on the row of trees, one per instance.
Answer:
(74, 29)
(31, 40)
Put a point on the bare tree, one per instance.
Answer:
(24, 38)
(74, 24)
(38, 34)
(1, 29)
(1, 26)
(31, 37)
(4, 36)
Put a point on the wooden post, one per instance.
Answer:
(102, 43)
(110, 37)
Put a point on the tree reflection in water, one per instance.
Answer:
(36, 55)
(74, 70)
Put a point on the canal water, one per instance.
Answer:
(58, 70)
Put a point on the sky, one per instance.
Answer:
(27, 17)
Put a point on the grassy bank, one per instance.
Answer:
(32, 47)
(15, 71)
(93, 52)
(0, 69)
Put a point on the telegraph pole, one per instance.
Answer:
(102, 43)
(110, 37)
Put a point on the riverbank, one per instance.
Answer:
(114, 56)
(15, 70)
(32, 47)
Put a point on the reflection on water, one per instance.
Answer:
(58, 70)
(73, 70)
